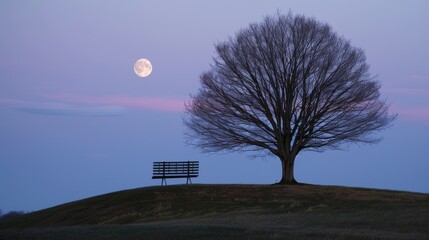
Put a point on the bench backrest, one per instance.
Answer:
(175, 169)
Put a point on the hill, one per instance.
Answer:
(235, 211)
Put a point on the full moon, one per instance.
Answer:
(142, 67)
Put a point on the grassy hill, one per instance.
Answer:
(231, 212)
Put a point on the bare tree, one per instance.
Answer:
(286, 85)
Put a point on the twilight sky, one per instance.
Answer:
(75, 121)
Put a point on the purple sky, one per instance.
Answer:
(75, 121)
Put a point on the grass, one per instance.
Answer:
(231, 212)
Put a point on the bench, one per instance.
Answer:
(164, 170)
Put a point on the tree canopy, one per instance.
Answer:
(285, 85)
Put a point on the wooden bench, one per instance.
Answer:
(164, 170)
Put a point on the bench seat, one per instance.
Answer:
(164, 170)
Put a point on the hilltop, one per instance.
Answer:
(236, 211)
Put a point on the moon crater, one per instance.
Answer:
(143, 67)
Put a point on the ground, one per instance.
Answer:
(232, 212)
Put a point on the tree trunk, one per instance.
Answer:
(287, 171)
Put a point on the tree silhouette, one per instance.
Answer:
(286, 85)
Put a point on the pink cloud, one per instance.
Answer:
(420, 114)
(408, 91)
(10, 101)
(414, 85)
(60, 109)
(158, 104)
(423, 78)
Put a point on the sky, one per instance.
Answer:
(75, 121)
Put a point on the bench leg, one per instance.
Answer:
(163, 182)
(188, 180)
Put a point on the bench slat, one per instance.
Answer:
(161, 177)
(164, 170)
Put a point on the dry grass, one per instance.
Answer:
(232, 212)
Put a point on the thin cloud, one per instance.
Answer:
(55, 109)
(77, 105)
(11, 102)
(420, 114)
(422, 78)
(157, 104)
(407, 91)
(414, 85)
(61, 109)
